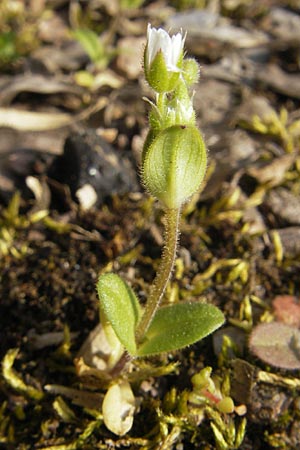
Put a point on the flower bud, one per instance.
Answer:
(163, 59)
(174, 165)
(190, 71)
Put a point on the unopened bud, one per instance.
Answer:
(174, 165)
(190, 71)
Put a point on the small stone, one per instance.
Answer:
(287, 309)
(285, 205)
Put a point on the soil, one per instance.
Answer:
(239, 243)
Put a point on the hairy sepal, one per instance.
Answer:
(174, 165)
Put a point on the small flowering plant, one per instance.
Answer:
(173, 167)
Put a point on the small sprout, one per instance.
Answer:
(205, 389)
(14, 380)
(228, 434)
(245, 320)
(276, 344)
(173, 167)
(63, 410)
(278, 248)
(94, 46)
(203, 380)
(219, 438)
(174, 163)
(279, 125)
(240, 271)
(229, 347)
(226, 405)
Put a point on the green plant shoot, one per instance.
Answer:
(173, 167)
(93, 46)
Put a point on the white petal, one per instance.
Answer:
(172, 47)
(177, 47)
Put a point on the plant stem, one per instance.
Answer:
(161, 103)
(160, 282)
(120, 365)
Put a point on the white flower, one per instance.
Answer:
(171, 47)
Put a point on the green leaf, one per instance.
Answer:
(130, 4)
(121, 308)
(90, 42)
(179, 325)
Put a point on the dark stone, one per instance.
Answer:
(89, 159)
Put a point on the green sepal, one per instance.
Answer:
(177, 326)
(121, 308)
(158, 76)
(152, 133)
(174, 165)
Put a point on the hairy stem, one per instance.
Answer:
(160, 282)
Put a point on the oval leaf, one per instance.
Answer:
(118, 408)
(179, 325)
(121, 308)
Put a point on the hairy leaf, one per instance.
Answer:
(277, 344)
(121, 308)
(179, 325)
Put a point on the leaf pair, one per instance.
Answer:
(173, 326)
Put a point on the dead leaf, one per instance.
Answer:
(41, 193)
(287, 309)
(272, 76)
(37, 84)
(208, 32)
(69, 57)
(87, 399)
(277, 344)
(283, 24)
(130, 56)
(95, 349)
(118, 408)
(272, 172)
(37, 121)
(34, 121)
